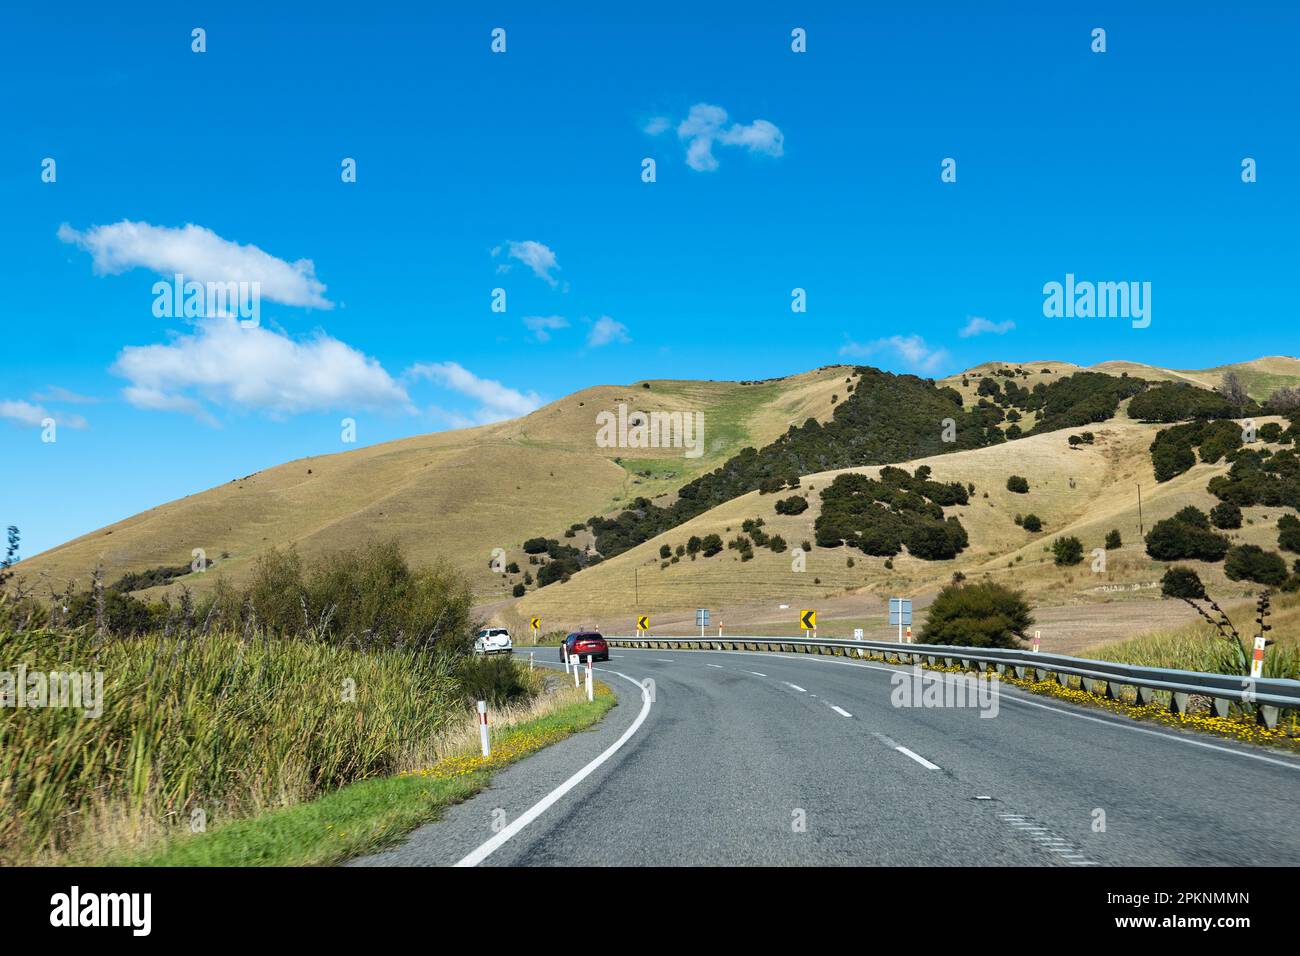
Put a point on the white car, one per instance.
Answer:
(493, 640)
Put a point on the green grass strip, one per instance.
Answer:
(371, 814)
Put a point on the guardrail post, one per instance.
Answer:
(1267, 715)
(1145, 695)
(1019, 671)
(1221, 706)
(1178, 702)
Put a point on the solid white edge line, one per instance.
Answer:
(841, 711)
(801, 690)
(537, 809)
(918, 758)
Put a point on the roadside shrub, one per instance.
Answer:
(496, 679)
(1249, 562)
(1032, 523)
(519, 590)
(985, 614)
(776, 543)
(712, 544)
(535, 545)
(665, 550)
(1225, 515)
(1113, 539)
(1018, 484)
(1067, 550)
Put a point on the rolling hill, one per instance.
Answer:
(459, 494)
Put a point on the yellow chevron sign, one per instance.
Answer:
(808, 620)
(643, 623)
(536, 622)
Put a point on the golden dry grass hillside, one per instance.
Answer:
(1084, 491)
(454, 494)
(1261, 376)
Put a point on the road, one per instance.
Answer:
(760, 759)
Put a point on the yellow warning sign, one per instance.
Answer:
(808, 620)
(643, 623)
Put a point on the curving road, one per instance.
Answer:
(756, 758)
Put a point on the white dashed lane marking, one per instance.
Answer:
(1046, 839)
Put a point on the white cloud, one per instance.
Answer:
(538, 257)
(979, 326)
(25, 413)
(496, 401)
(706, 125)
(911, 350)
(606, 330)
(543, 325)
(255, 368)
(198, 254)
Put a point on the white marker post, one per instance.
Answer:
(576, 661)
(1037, 635)
(590, 691)
(1257, 663)
(564, 650)
(530, 660)
(483, 729)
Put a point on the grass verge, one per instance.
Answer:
(372, 814)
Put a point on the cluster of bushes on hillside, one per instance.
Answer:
(885, 418)
(1288, 538)
(1018, 484)
(794, 505)
(1172, 450)
(1084, 398)
(1084, 438)
(1260, 478)
(880, 516)
(156, 577)
(1186, 535)
(1180, 401)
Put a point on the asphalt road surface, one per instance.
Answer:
(758, 758)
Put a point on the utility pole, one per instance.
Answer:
(636, 589)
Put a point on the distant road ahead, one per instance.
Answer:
(772, 759)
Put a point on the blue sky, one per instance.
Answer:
(522, 170)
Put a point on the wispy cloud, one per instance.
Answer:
(911, 350)
(535, 255)
(543, 325)
(496, 401)
(254, 368)
(605, 331)
(55, 393)
(26, 413)
(199, 254)
(979, 326)
(707, 125)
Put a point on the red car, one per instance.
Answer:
(584, 643)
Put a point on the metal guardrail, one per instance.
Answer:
(1269, 694)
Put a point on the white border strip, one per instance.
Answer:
(498, 841)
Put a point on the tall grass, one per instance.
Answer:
(213, 721)
(1197, 647)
